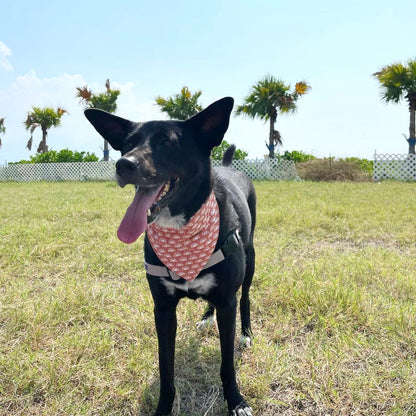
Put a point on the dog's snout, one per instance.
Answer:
(126, 166)
(127, 170)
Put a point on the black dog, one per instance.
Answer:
(185, 205)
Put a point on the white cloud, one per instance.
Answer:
(4, 53)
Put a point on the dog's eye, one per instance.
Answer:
(164, 142)
(127, 146)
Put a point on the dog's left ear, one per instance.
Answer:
(212, 123)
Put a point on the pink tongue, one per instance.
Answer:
(135, 219)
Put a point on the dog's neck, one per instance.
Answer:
(187, 204)
(166, 220)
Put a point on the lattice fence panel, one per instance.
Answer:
(82, 171)
(271, 169)
(398, 167)
(261, 169)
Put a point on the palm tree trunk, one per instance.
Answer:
(44, 147)
(271, 136)
(106, 151)
(412, 133)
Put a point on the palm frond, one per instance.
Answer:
(33, 127)
(277, 137)
(396, 80)
(2, 126)
(61, 111)
(84, 94)
(29, 143)
(302, 88)
(42, 148)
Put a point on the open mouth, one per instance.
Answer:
(162, 199)
(146, 206)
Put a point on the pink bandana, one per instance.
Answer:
(186, 250)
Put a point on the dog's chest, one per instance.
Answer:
(202, 286)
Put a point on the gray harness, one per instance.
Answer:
(230, 245)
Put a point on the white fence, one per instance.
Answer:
(82, 171)
(271, 169)
(401, 167)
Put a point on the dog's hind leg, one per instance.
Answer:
(226, 316)
(208, 319)
(246, 334)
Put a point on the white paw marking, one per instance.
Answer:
(245, 342)
(206, 324)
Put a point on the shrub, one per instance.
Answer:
(65, 155)
(329, 169)
(365, 164)
(297, 156)
(218, 152)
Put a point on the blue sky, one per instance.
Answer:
(220, 47)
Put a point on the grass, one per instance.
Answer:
(333, 306)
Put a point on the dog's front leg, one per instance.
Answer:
(226, 317)
(165, 319)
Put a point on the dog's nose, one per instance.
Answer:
(125, 166)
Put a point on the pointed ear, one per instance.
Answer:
(212, 123)
(114, 129)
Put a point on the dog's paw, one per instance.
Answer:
(245, 342)
(206, 324)
(243, 409)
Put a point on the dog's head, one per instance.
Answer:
(167, 161)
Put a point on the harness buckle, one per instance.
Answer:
(231, 243)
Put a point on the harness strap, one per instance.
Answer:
(228, 248)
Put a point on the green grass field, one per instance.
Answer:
(333, 306)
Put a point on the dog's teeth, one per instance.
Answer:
(165, 190)
(149, 213)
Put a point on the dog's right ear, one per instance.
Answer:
(212, 123)
(114, 129)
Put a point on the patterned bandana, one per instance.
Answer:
(186, 250)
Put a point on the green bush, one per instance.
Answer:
(365, 164)
(297, 156)
(65, 155)
(218, 152)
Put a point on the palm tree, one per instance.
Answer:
(399, 81)
(184, 105)
(106, 101)
(267, 98)
(45, 118)
(181, 106)
(2, 128)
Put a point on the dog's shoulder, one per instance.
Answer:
(230, 182)
(236, 198)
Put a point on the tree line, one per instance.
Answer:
(267, 98)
